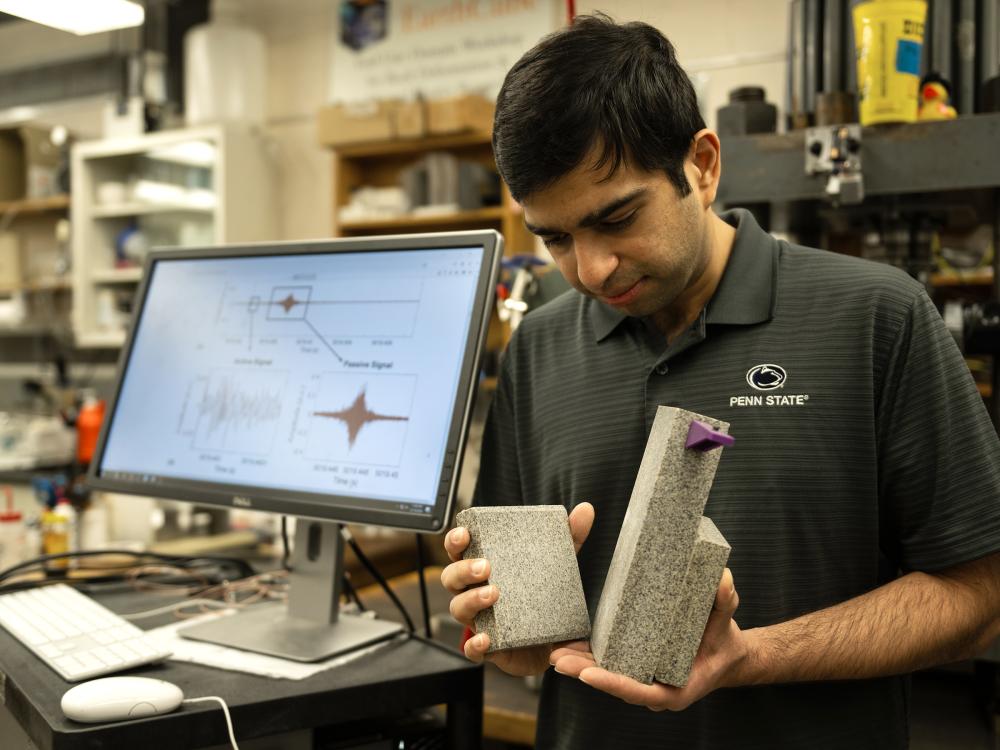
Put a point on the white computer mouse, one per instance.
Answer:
(118, 698)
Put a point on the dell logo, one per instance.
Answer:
(766, 377)
(243, 502)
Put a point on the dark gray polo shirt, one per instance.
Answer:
(875, 454)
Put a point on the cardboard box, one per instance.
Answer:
(345, 124)
(411, 119)
(10, 260)
(460, 114)
(12, 172)
(41, 162)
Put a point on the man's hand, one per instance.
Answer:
(464, 579)
(721, 655)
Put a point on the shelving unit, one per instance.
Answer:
(379, 164)
(41, 259)
(929, 167)
(200, 186)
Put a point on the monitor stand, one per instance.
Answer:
(310, 627)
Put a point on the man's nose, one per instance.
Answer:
(594, 265)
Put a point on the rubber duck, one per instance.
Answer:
(934, 96)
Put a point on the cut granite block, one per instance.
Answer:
(711, 552)
(533, 564)
(646, 578)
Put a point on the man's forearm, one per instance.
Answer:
(913, 622)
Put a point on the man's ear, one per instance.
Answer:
(706, 157)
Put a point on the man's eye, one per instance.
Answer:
(554, 240)
(619, 224)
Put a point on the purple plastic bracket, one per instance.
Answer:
(703, 437)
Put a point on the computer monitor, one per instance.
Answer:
(330, 380)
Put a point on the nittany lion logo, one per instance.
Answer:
(766, 377)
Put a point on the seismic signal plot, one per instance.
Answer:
(234, 410)
(360, 418)
(349, 308)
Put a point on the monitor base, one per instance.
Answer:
(267, 629)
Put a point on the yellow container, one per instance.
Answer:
(889, 37)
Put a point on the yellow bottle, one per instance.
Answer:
(889, 38)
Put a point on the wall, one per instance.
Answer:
(723, 45)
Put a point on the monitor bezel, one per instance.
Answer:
(303, 504)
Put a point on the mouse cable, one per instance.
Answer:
(225, 710)
(349, 538)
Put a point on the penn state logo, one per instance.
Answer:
(766, 377)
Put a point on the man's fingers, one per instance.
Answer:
(726, 602)
(581, 646)
(455, 542)
(580, 522)
(476, 647)
(726, 598)
(465, 606)
(458, 576)
(570, 663)
(654, 696)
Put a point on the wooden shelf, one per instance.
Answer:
(42, 285)
(380, 165)
(117, 276)
(412, 145)
(490, 215)
(982, 277)
(36, 205)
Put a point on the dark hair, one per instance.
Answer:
(594, 82)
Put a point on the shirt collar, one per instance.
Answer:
(746, 292)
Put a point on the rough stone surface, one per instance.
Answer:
(711, 551)
(533, 564)
(646, 579)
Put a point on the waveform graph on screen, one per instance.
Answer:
(289, 302)
(235, 410)
(361, 418)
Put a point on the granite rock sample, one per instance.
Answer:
(533, 564)
(711, 551)
(649, 617)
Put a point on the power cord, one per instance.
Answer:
(423, 585)
(225, 710)
(349, 538)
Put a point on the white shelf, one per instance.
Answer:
(216, 188)
(101, 340)
(117, 276)
(144, 209)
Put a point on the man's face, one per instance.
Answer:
(630, 241)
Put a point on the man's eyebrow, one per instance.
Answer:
(594, 217)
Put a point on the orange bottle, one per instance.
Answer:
(88, 427)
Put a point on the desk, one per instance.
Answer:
(510, 708)
(402, 676)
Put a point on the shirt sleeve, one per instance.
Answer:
(938, 452)
(499, 481)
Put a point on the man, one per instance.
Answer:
(862, 496)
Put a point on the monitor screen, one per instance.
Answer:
(330, 380)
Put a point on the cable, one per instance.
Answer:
(349, 538)
(225, 710)
(423, 585)
(352, 593)
(215, 603)
(285, 550)
(242, 567)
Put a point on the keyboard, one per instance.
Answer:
(73, 634)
